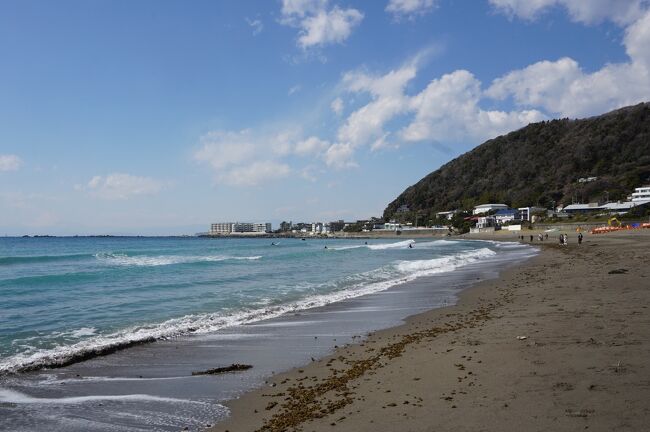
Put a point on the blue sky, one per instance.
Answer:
(159, 117)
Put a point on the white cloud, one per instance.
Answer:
(365, 125)
(447, 109)
(409, 8)
(221, 149)
(562, 87)
(121, 186)
(9, 162)
(256, 25)
(319, 25)
(337, 106)
(301, 8)
(339, 155)
(247, 158)
(310, 146)
(255, 173)
(294, 89)
(622, 12)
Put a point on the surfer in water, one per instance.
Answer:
(410, 245)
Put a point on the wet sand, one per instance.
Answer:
(558, 343)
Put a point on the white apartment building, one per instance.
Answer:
(221, 228)
(641, 194)
(484, 208)
(225, 228)
(526, 213)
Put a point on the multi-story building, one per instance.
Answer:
(226, 228)
(486, 208)
(641, 194)
(221, 228)
(527, 212)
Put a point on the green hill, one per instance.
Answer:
(540, 164)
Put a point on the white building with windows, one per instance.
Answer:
(526, 213)
(485, 208)
(447, 214)
(221, 228)
(641, 194)
(227, 228)
(485, 222)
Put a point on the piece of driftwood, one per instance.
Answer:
(235, 367)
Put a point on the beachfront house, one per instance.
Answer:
(506, 215)
(449, 215)
(526, 213)
(485, 222)
(486, 208)
(583, 208)
(392, 226)
(641, 194)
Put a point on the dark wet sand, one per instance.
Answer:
(560, 343)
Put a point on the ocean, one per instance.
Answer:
(84, 322)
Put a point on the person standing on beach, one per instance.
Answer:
(580, 238)
(531, 238)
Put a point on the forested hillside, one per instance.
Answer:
(540, 164)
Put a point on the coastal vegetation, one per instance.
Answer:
(540, 165)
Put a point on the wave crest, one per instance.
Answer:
(121, 259)
(362, 284)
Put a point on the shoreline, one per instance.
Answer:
(444, 368)
(162, 372)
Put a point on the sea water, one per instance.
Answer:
(64, 300)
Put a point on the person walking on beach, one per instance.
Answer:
(580, 238)
(531, 238)
(561, 239)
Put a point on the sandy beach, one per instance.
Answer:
(558, 343)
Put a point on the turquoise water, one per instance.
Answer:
(65, 298)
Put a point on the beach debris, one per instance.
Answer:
(618, 367)
(617, 271)
(564, 386)
(522, 337)
(235, 367)
(578, 413)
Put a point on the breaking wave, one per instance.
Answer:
(14, 397)
(121, 259)
(349, 287)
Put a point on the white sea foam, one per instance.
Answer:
(55, 380)
(353, 286)
(11, 396)
(83, 331)
(161, 260)
(420, 268)
(398, 245)
(435, 243)
(340, 248)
